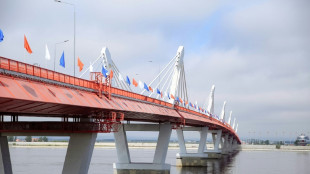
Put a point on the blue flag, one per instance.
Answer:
(178, 100)
(168, 95)
(62, 60)
(1, 36)
(146, 87)
(104, 72)
(158, 92)
(128, 80)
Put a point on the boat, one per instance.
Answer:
(302, 140)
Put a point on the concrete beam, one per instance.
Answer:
(122, 145)
(162, 144)
(141, 127)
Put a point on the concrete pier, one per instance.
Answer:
(5, 160)
(124, 164)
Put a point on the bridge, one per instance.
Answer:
(107, 103)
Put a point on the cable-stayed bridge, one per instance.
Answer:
(108, 102)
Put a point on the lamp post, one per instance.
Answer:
(55, 50)
(73, 31)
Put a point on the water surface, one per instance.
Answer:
(50, 160)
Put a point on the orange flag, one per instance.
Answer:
(150, 88)
(161, 94)
(181, 100)
(134, 82)
(26, 45)
(80, 64)
(111, 74)
(186, 102)
(172, 96)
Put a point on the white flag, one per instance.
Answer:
(120, 77)
(47, 53)
(90, 67)
(141, 85)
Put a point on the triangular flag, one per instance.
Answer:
(111, 74)
(186, 102)
(62, 60)
(1, 36)
(161, 94)
(146, 87)
(128, 81)
(47, 53)
(26, 45)
(150, 88)
(80, 64)
(172, 96)
(168, 95)
(158, 92)
(134, 82)
(181, 100)
(141, 84)
(120, 77)
(104, 72)
(91, 67)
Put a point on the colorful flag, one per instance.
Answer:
(104, 72)
(26, 45)
(91, 67)
(172, 96)
(128, 81)
(181, 100)
(1, 36)
(141, 85)
(111, 74)
(62, 60)
(47, 53)
(158, 92)
(80, 64)
(168, 95)
(190, 104)
(120, 77)
(150, 88)
(178, 99)
(161, 94)
(186, 102)
(134, 82)
(146, 87)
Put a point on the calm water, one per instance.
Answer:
(50, 161)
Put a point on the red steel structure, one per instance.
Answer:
(27, 90)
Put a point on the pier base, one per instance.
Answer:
(141, 168)
(195, 159)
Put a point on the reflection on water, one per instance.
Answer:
(50, 160)
(214, 166)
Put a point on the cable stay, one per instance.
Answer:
(105, 60)
(171, 82)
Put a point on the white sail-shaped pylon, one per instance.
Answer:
(234, 123)
(229, 119)
(210, 107)
(222, 117)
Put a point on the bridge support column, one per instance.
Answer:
(193, 159)
(79, 153)
(5, 160)
(158, 165)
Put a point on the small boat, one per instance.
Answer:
(302, 140)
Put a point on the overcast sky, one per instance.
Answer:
(256, 53)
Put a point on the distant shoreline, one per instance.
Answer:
(153, 145)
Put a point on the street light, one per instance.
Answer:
(55, 50)
(73, 32)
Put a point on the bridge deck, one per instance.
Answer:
(27, 90)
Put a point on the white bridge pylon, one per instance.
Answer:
(171, 80)
(105, 60)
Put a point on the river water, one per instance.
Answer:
(49, 160)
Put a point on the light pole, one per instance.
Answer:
(73, 32)
(55, 50)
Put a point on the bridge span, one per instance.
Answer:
(88, 107)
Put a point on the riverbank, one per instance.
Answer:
(153, 145)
